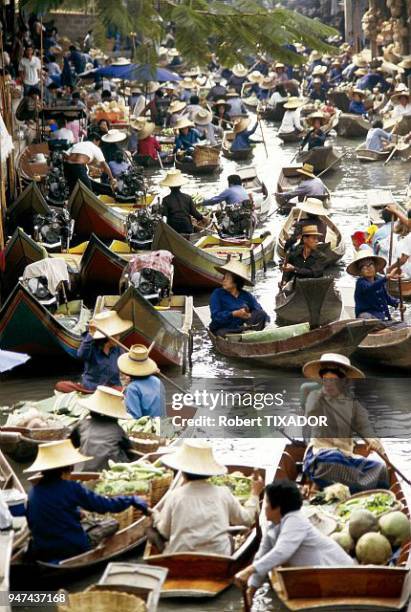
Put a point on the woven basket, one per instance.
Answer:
(102, 601)
(146, 442)
(158, 488)
(206, 156)
(48, 433)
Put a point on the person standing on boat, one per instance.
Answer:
(292, 117)
(305, 261)
(333, 459)
(55, 503)
(179, 208)
(290, 540)
(99, 354)
(315, 137)
(234, 194)
(310, 187)
(357, 106)
(145, 393)
(234, 310)
(242, 134)
(197, 517)
(377, 138)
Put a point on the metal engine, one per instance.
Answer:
(236, 220)
(56, 187)
(141, 225)
(54, 230)
(39, 288)
(151, 274)
(131, 185)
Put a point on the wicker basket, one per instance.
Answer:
(146, 442)
(158, 488)
(48, 433)
(206, 156)
(102, 601)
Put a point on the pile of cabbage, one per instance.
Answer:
(237, 482)
(129, 478)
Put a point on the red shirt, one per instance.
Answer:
(149, 147)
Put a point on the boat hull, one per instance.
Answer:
(100, 269)
(21, 250)
(390, 348)
(321, 158)
(352, 126)
(315, 301)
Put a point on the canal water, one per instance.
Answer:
(349, 184)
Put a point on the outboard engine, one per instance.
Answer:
(38, 287)
(141, 225)
(56, 187)
(130, 185)
(236, 220)
(54, 230)
(151, 274)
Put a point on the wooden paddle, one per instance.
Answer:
(262, 134)
(160, 161)
(392, 153)
(333, 164)
(400, 290)
(391, 240)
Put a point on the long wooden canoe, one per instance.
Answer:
(194, 264)
(27, 326)
(336, 589)
(340, 99)
(21, 250)
(339, 337)
(393, 288)
(291, 136)
(288, 180)
(30, 202)
(390, 347)
(8, 481)
(333, 247)
(168, 325)
(193, 574)
(28, 168)
(367, 155)
(352, 126)
(240, 155)
(262, 199)
(274, 113)
(189, 167)
(315, 300)
(321, 158)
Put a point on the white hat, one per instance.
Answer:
(176, 106)
(203, 117)
(294, 103)
(174, 178)
(239, 70)
(354, 269)
(113, 136)
(137, 362)
(194, 457)
(145, 130)
(107, 401)
(255, 76)
(313, 206)
(183, 123)
(121, 61)
(332, 360)
(56, 455)
(110, 323)
(237, 268)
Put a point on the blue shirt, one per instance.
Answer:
(381, 234)
(371, 80)
(374, 298)
(53, 514)
(222, 304)
(118, 168)
(357, 108)
(99, 368)
(187, 141)
(375, 137)
(145, 396)
(231, 195)
(242, 139)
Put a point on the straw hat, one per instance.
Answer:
(336, 62)
(314, 55)
(354, 268)
(319, 70)
(307, 170)
(145, 130)
(232, 93)
(268, 82)
(173, 52)
(294, 103)
(121, 61)
(176, 106)
(310, 230)
(314, 206)
(137, 123)
(113, 136)
(107, 401)
(174, 178)
(406, 63)
(203, 117)
(110, 323)
(241, 124)
(187, 83)
(399, 94)
(359, 61)
(317, 115)
(221, 102)
(361, 72)
(359, 92)
(236, 267)
(317, 80)
(255, 76)
(136, 90)
(239, 70)
(56, 455)
(194, 457)
(152, 87)
(183, 123)
(137, 362)
(279, 65)
(332, 360)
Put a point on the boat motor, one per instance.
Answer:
(56, 187)
(141, 225)
(236, 220)
(53, 230)
(151, 274)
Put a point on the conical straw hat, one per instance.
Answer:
(107, 401)
(110, 323)
(174, 178)
(194, 457)
(137, 362)
(313, 206)
(56, 455)
(354, 268)
(332, 360)
(236, 267)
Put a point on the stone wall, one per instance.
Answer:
(72, 24)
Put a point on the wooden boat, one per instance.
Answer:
(240, 155)
(400, 126)
(20, 251)
(320, 157)
(205, 160)
(336, 589)
(27, 166)
(315, 300)
(50, 335)
(367, 155)
(394, 289)
(389, 347)
(333, 247)
(8, 482)
(194, 264)
(21, 443)
(257, 189)
(273, 114)
(30, 202)
(168, 325)
(203, 574)
(291, 136)
(377, 200)
(340, 99)
(352, 126)
(288, 180)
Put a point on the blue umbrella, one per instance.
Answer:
(137, 72)
(10, 360)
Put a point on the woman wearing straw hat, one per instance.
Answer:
(148, 147)
(187, 137)
(203, 123)
(55, 503)
(221, 118)
(234, 310)
(402, 104)
(291, 121)
(145, 394)
(176, 111)
(372, 299)
(99, 354)
(179, 208)
(330, 453)
(238, 77)
(309, 187)
(100, 436)
(197, 517)
(315, 137)
(357, 106)
(242, 134)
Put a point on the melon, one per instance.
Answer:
(344, 539)
(396, 527)
(373, 548)
(362, 521)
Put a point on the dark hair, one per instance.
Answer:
(119, 156)
(386, 216)
(103, 121)
(72, 48)
(52, 58)
(285, 495)
(190, 477)
(75, 95)
(159, 93)
(106, 93)
(238, 281)
(61, 120)
(234, 179)
(56, 472)
(34, 91)
(52, 86)
(281, 90)
(377, 123)
(330, 370)
(194, 99)
(94, 136)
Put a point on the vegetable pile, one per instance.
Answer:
(32, 419)
(237, 482)
(377, 503)
(145, 424)
(129, 478)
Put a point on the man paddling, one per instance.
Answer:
(310, 186)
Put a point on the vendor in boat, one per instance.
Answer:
(305, 261)
(357, 106)
(234, 310)
(402, 104)
(309, 187)
(333, 459)
(179, 208)
(236, 106)
(372, 299)
(315, 136)
(55, 503)
(208, 130)
(278, 96)
(242, 134)
(197, 517)
(317, 91)
(221, 118)
(176, 111)
(111, 143)
(290, 540)
(100, 436)
(292, 117)
(336, 72)
(99, 354)
(144, 394)
(187, 137)
(377, 138)
(234, 194)
(119, 165)
(148, 147)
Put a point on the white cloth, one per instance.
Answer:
(6, 520)
(195, 517)
(402, 246)
(296, 542)
(55, 270)
(64, 134)
(291, 122)
(31, 69)
(275, 99)
(400, 110)
(93, 152)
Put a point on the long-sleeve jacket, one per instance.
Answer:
(310, 187)
(145, 396)
(242, 139)
(222, 304)
(374, 298)
(312, 267)
(314, 138)
(232, 195)
(179, 208)
(357, 108)
(187, 141)
(99, 368)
